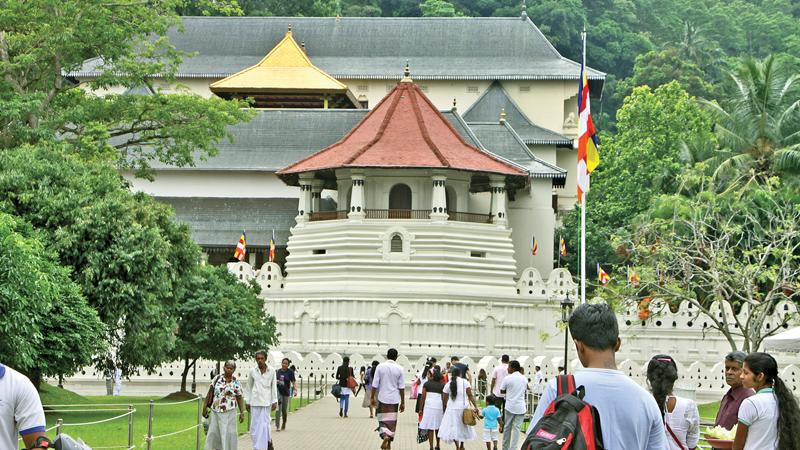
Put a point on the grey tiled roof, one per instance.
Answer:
(468, 48)
(218, 222)
(276, 138)
(502, 140)
(495, 99)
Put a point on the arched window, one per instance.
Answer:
(400, 202)
(397, 244)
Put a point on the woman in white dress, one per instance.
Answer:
(681, 417)
(456, 396)
(433, 408)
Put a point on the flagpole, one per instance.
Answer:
(583, 200)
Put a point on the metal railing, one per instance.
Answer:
(419, 214)
(327, 215)
(469, 217)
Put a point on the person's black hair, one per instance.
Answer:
(514, 365)
(288, 361)
(362, 369)
(595, 325)
(261, 352)
(454, 358)
(374, 363)
(504, 358)
(346, 361)
(454, 372)
(661, 376)
(491, 400)
(436, 374)
(392, 354)
(788, 411)
(538, 368)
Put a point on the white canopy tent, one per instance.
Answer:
(788, 341)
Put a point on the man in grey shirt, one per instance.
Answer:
(629, 416)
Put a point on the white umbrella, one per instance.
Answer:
(788, 341)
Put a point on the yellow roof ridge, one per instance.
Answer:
(286, 60)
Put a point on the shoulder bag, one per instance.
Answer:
(468, 416)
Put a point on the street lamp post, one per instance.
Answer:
(566, 308)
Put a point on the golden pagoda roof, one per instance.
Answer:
(285, 68)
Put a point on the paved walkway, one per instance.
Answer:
(318, 426)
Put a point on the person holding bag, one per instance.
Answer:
(459, 417)
(225, 395)
(347, 382)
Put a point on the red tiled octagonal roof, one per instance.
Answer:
(404, 130)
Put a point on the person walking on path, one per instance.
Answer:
(770, 419)
(728, 413)
(388, 396)
(287, 388)
(366, 402)
(344, 373)
(633, 424)
(681, 417)
(226, 393)
(457, 396)
(514, 386)
(498, 374)
(492, 422)
(261, 392)
(433, 408)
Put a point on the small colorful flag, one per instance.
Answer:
(602, 276)
(588, 155)
(272, 247)
(633, 277)
(563, 247)
(534, 246)
(241, 248)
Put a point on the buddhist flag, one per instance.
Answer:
(633, 277)
(588, 156)
(534, 246)
(241, 248)
(563, 247)
(272, 247)
(602, 276)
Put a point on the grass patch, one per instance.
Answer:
(167, 418)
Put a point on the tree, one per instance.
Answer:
(38, 101)
(740, 248)
(640, 162)
(758, 124)
(220, 318)
(47, 327)
(126, 252)
(438, 8)
(562, 23)
(302, 8)
(656, 68)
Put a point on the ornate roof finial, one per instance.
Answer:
(406, 74)
(290, 29)
(454, 104)
(524, 14)
(303, 46)
(503, 115)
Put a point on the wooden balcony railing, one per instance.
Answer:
(327, 215)
(469, 217)
(417, 214)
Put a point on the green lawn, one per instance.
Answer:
(166, 419)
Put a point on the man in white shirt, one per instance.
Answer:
(388, 396)
(513, 387)
(629, 416)
(498, 374)
(20, 412)
(261, 392)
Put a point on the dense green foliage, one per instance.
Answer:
(45, 317)
(220, 318)
(61, 147)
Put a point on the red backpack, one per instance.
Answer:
(568, 422)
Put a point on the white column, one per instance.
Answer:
(357, 198)
(439, 198)
(316, 195)
(304, 205)
(498, 188)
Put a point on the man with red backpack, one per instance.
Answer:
(628, 414)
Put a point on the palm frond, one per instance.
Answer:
(788, 159)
